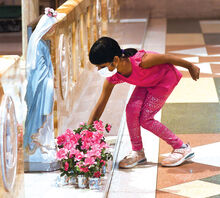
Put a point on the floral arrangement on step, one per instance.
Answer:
(83, 151)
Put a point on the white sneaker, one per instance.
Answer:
(178, 156)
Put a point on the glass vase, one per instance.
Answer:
(94, 183)
(62, 181)
(73, 180)
(103, 170)
(82, 181)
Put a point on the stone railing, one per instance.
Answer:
(80, 23)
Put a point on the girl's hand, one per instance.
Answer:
(194, 72)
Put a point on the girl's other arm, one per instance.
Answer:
(102, 101)
(150, 60)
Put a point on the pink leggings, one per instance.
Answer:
(140, 111)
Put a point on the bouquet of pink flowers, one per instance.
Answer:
(83, 151)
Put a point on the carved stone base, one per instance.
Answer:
(38, 166)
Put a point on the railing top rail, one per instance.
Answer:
(78, 6)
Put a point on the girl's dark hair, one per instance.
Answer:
(105, 49)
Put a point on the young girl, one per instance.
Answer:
(155, 78)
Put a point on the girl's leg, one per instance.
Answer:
(150, 107)
(133, 110)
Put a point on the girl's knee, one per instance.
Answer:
(146, 122)
(132, 110)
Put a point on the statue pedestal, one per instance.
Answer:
(41, 161)
(39, 166)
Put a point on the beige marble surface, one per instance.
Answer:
(185, 39)
(197, 189)
(189, 91)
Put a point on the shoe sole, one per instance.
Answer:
(186, 158)
(140, 162)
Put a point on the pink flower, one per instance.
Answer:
(108, 127)
(74, 138)
(72, 152)
(103, 145)
(95, 152)
(96, 147)
(66, 167)
(89, 161)
(85, 145)
(89, 134)
(102, 162)
(68, 131)
(81, 123)
(61, 140)
(50, 12)
(97, 174)
(97, 137)
(68, 134)
(69, 145)
(84, 169)
(62, 154)
(98, 125)
(79, 156)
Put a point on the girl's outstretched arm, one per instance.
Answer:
(150, 60)
(102, 101)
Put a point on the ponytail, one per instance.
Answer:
(128, 52)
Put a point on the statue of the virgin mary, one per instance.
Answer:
(39, 144)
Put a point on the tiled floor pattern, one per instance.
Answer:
(193, 111)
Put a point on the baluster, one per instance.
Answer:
(95, 32)
(98, 18)
(104, 17)
(88, 27)
(74, 51)
(81, 32)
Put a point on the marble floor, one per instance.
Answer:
(192, 112)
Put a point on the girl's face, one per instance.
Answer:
(107, 69)
(111, 65)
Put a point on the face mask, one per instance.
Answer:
(104, 72)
